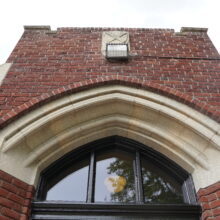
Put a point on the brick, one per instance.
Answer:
(214, 218)
(9, 187)
(205, 206)
(10, 213)
(15, 202)
(16, 199)
(20, 184)
(29, 195)
(218, 194)
(216, 211)
(24, 217)
(213, 188)
(9, 204)
(211, 197)
(22, 193)
(215, 204)
(209, 201)
(5, 176)
(4, 193)
(206, 214)
(4, 218)
(25, 210)
(6, 203)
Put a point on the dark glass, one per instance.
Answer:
(114, 177)
(121, 217)
(72, 187)
(159, 187)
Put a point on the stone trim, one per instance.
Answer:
(37, 27)
(194, 29)
(42, 136)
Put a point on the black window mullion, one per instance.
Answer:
(91, 179)
(138, 178)
(189, 191)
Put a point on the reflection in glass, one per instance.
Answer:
(114, 177)
(71, 188)
(158, 186)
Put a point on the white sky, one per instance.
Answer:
(14, 14)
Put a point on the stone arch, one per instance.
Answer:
(40, 137)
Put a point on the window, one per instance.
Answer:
(115, 178)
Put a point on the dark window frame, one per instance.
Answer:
(43, 208)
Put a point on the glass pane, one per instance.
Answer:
(114, 177)
(158, 186)
(72, 187)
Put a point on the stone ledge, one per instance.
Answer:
(37, 27)
(51, 32)
(193, 29)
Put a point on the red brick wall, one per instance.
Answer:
(15, 198)
(209, 198)
(47, 63)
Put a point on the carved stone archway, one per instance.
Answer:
(34, 141)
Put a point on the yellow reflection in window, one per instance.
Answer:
(115, 183)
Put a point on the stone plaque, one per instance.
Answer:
(114, 37)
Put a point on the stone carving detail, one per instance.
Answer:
(114, 37)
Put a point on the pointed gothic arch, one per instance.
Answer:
(42, 136)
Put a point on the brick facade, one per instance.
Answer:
(49, 64)
(15, 198)
(45, 63)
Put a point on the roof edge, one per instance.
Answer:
(37, 27)
(193, 29)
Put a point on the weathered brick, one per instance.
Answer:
(50, 65)
(210, 201)
(5, 176)
(15, 202)
(4, 218)
(3, 193)
(10, 213)
(215, 204)
(19, 184)
(206, 214)
(216, 212)
(9, 187)
(16, 199)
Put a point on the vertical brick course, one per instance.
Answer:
(15, 198)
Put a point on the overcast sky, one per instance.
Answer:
(14, 14)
